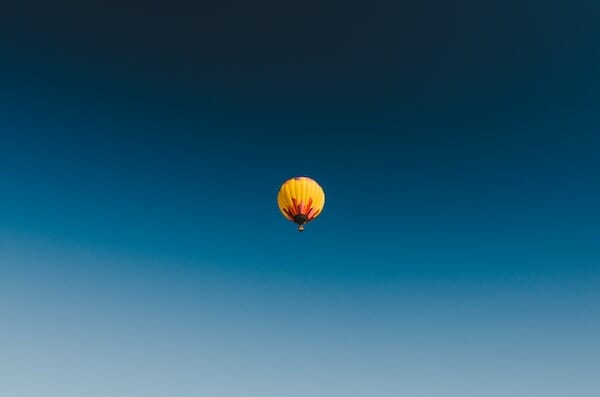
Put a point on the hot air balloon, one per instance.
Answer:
(301, 200)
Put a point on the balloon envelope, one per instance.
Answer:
(301, 200)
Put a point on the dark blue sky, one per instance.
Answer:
(142, 148)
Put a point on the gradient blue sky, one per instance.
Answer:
(141, 151)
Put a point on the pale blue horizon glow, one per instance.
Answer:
(77, 317)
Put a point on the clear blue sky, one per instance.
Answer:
(142, 251)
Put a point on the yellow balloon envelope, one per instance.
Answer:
(301, 199)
